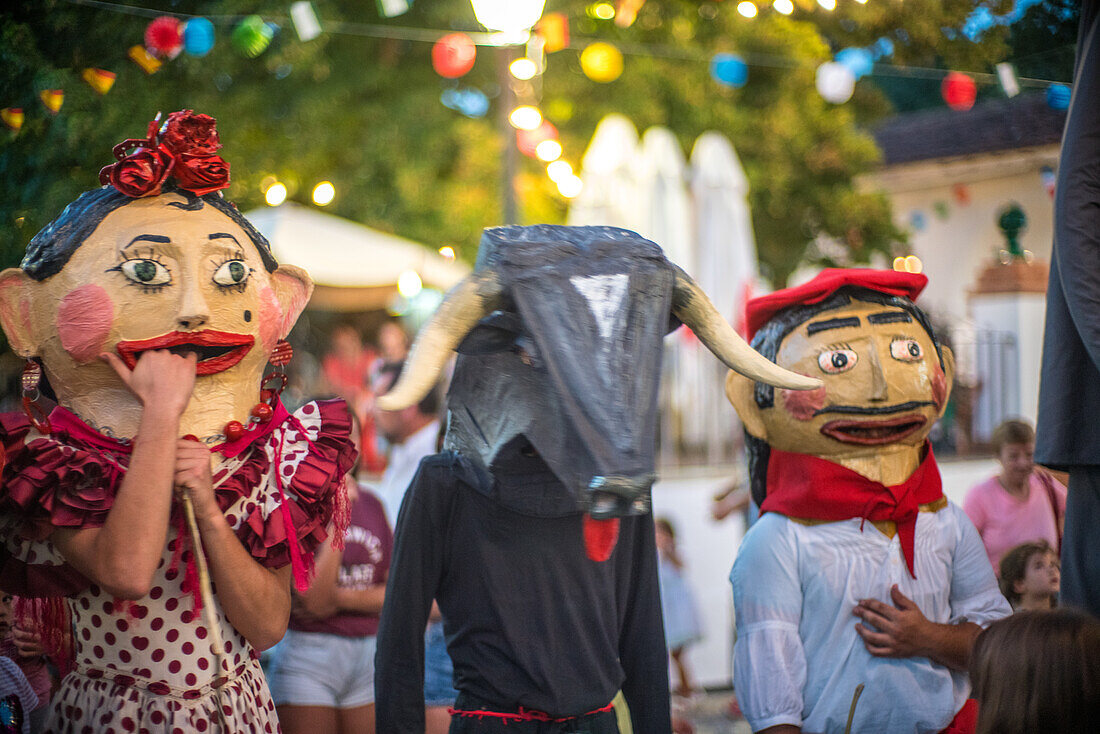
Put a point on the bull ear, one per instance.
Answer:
(496, 332)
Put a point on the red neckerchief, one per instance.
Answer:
(62, 419)
(800, 485)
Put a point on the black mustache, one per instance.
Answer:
(885, 410)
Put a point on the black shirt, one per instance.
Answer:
(529, 620)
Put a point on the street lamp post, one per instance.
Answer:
(511, 22)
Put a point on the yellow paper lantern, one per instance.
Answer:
(602, 62)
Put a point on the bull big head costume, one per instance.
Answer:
(854, 525)
(149, 309)
(549, 457)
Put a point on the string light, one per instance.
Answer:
(570, 186)
(548, 151)
(409, 284)
(525, 117)
(559, 170)
(324, 193)
(827, 4)
(747, 9)
(447, 251)
(523, 69)
(275, 194)
(786, 7)
(603, 11)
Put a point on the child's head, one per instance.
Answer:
(1013, 444)
(1038, 671)
(1030, 570)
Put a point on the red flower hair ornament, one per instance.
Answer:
(183, 148)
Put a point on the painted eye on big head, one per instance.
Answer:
(232, 273)
(835, 361)
(145, 271)
(906, 350)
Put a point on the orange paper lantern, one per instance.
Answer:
(959, 91)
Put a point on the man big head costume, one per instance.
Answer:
(551, 436)
(855, 525)
(153, 307)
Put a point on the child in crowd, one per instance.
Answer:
(1023, 502)
(17, 698)
(1031, 576)
(24, 648)
(1036, 672)
(677, 605)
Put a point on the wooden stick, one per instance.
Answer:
(852, 708)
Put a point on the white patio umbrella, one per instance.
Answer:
(609, 196)
(354, 267)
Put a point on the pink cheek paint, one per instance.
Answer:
(939, 387)
(271, 319)
(84, 321)
(802, 404)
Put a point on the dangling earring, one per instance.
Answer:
(270, 389)
(32, 375)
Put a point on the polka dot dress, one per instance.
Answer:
(146, 666)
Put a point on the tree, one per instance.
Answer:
(364, 111)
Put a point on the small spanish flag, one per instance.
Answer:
(554, 29)
(53, 99)
(100, 80)
(12, 117)
(148, 63)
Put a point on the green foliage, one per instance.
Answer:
(364, 112)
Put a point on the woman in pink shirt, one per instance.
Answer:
(1023, 503)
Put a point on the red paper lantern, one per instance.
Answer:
(528, 140)
(959, 91)
(164, 37)
(453, 55)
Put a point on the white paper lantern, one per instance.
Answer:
(835, 82)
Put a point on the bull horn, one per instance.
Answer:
(692, 306)
(465, 305)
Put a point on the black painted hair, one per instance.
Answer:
(52, 247)
(771, 335)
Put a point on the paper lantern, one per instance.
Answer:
(601, 62)
(835, 82)
(12, 117)
(729, 70)
(164, 37)
(52, 99)
(198, 36)
(453, 55)
(554, 29)
(528, 140)
(148, 63)
(252, 36)
(470, 102)
(959, 91)
(100, 80)
(1058, 96)
(858, 60)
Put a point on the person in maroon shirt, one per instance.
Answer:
(322, 678)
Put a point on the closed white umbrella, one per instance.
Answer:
(609, 196)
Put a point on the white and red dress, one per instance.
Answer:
(147, 666)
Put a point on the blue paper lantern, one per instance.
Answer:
(198, 36)
(729, 70)
(858, 60)
(1058, 96)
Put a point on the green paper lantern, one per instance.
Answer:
(252, 36)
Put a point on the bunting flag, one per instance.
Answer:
(12, 117)
(554, 29)
(148, 63)
(627, 12)
(393, 8)
(53, 99)
(100, 80)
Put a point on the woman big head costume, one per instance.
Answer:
(153, 308)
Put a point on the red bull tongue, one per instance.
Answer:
(600, 537)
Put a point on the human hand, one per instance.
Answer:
(903, 630)
(160, 379)
(193, 475)
(28, 644)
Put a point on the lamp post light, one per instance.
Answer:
(511, 22)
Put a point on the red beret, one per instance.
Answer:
(891, 282)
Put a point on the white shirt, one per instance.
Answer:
(798, 658)
(403, 462)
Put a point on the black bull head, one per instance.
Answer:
(559, 331)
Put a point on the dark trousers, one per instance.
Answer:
(603, 722)
(1081, 543)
